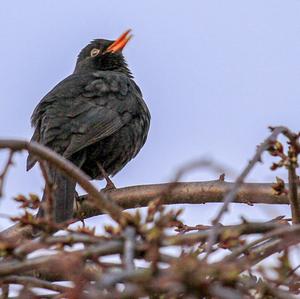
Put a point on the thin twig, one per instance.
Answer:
(7, 165)
(281, 231)
(289, 238)
(129, 248)
(293, 138)
(201, 236)
(189, 238)
(14, 267)
(70, 239)
(239, 181)
(293, 190)
(34, 282)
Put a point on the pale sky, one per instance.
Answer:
(215, 75)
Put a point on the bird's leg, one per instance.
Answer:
(77, 205)
(109, 183)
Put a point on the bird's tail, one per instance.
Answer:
(63, 196)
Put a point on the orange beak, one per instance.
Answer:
(120, 43)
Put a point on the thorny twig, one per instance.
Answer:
(239, 181)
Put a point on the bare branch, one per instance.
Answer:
(179, 260)
(187, 193)
(181, 193)
(99, 199)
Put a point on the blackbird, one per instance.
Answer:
(96, 118)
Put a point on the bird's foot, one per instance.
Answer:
(109, 185)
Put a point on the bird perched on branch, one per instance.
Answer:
(96, 118)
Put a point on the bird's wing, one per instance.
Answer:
(84, 109)
(91, 126)
(111, 105)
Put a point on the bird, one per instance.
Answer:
(96, 118)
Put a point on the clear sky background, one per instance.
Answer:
(215, 75)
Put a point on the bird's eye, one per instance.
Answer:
(94, 52)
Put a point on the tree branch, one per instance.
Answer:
(186, 193)
(180, 193)
(100, 199)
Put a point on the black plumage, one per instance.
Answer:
(95, 117)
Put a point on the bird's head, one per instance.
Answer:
(102, 54)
